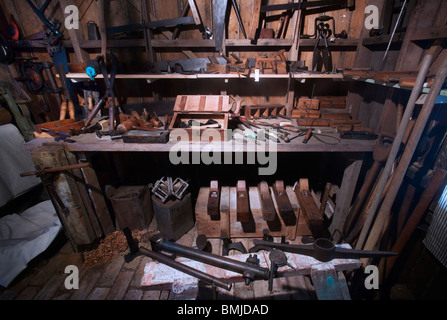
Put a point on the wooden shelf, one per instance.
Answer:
(304, 75)
(307, 44)
(391, 85)
(91, 143)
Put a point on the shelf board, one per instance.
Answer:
(306, 75)
(91, 143)
(391, 85)
(186, 43)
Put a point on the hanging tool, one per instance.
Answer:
(219, 17)
(67, 103)
(53, 38)
(323, 31)
(324, 250)
(219, 14)
(239, 19)
(109, 80)
(323, 55)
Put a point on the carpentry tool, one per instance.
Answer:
(309, 134)
(284, 207)
(109, 80)
(324, 250)
(312, 215)
(31, 74)
(213, 201)
(114, 134)
(47, 177)
(243, 206)
(320, 55)
(268, 209)
(53, 38)
(219, 14)
(41, 172)
(265, 237)
(67, 103)
(249, 271)
(136, 251)
(228, 245)
(358, 135)
(167, 189)
(203, 244)
(277, 259)
(143, 135)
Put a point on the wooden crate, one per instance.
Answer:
(201, 108)
(133, 207)
(307, 103)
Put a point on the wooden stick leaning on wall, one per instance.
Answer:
(436, 182)
(407, 156)
(395, 148)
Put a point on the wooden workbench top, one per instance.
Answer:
(91, 143)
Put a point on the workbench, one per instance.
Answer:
(92, 205)
(91, 143)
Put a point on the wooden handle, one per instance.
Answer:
(63, 112)
(308, 136)
(71, 110)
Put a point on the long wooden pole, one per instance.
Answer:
(405, 160)
(395, 148)
(418, 212)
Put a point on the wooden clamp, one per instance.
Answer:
(312, 214)
(213, 201)
(284, 207)
(268, 209)
(243, 206)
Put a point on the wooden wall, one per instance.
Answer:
(120, 12)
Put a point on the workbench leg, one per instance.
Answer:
(328, 284)
(344, 199)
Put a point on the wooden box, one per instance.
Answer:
(175, 217)
(201, 108)
(306, 103)
(133, 207)
(61, 125)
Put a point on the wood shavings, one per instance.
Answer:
(112, 245)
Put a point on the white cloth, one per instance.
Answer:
(24, 236)
(14, 159)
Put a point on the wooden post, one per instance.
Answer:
(76, 35)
